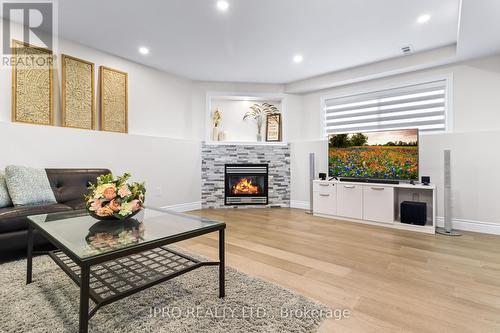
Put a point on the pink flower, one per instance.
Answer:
(109, 193)
(95, 205)
(136, 205)
(124, 191)
(115, 206)
(104, 211)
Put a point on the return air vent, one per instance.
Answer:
(407, 50)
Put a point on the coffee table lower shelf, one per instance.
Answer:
(115, 279)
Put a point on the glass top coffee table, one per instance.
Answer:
(110, 260)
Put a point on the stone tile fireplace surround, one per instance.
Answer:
(215, 156)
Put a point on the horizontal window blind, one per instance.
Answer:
(421, 106)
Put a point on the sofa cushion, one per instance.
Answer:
(28, 186)
(72, 184)
(15, 218)
(5, 200)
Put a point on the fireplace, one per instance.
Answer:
(246, 184)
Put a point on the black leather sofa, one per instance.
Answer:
(69, 186)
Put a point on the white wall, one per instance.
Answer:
(161, 147)
(170, 167)
(299, 169)
(384, 68)
(476, 129)
(159, 103)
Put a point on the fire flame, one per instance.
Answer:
(244, 186)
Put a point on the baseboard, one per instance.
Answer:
(470, 225)
(299, 204)
(460, 224)
(184, 207)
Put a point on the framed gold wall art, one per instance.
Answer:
(78, 93)
(32, 84)
(114, 100)
(273, 127)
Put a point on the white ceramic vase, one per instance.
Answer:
(215, 134)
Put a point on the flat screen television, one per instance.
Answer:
(391, 155)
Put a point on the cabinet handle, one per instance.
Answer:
(378, 188)
(349, 186)
(324, 195)
(321, 184)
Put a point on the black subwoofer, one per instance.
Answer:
(413, 212)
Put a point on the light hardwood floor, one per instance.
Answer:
(391, 280)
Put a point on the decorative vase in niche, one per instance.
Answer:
(215, 134)
(222, 136)
(259, 137)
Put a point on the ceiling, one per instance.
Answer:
(256, 40)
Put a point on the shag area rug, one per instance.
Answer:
(188, 303)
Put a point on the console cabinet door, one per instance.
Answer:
(350, 201)
(378, 203)
(324, 203)
(323, 187)
(325, 199)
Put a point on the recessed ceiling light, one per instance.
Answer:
(298, 58)
(143, 50)
(423, 18)
(222, 5)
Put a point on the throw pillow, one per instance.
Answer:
(4, 193)
(28, 186)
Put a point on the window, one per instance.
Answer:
(422, 106)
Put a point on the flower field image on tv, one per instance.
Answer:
(377, 155)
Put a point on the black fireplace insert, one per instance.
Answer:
(246, 184)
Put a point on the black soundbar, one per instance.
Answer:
(354, 180)
(367, 180)
(383, 181)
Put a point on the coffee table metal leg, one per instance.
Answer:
(84, 299)
(29, 268)
(222, 278)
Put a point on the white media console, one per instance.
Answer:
(372, 203)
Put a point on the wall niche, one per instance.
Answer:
(226, 124)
